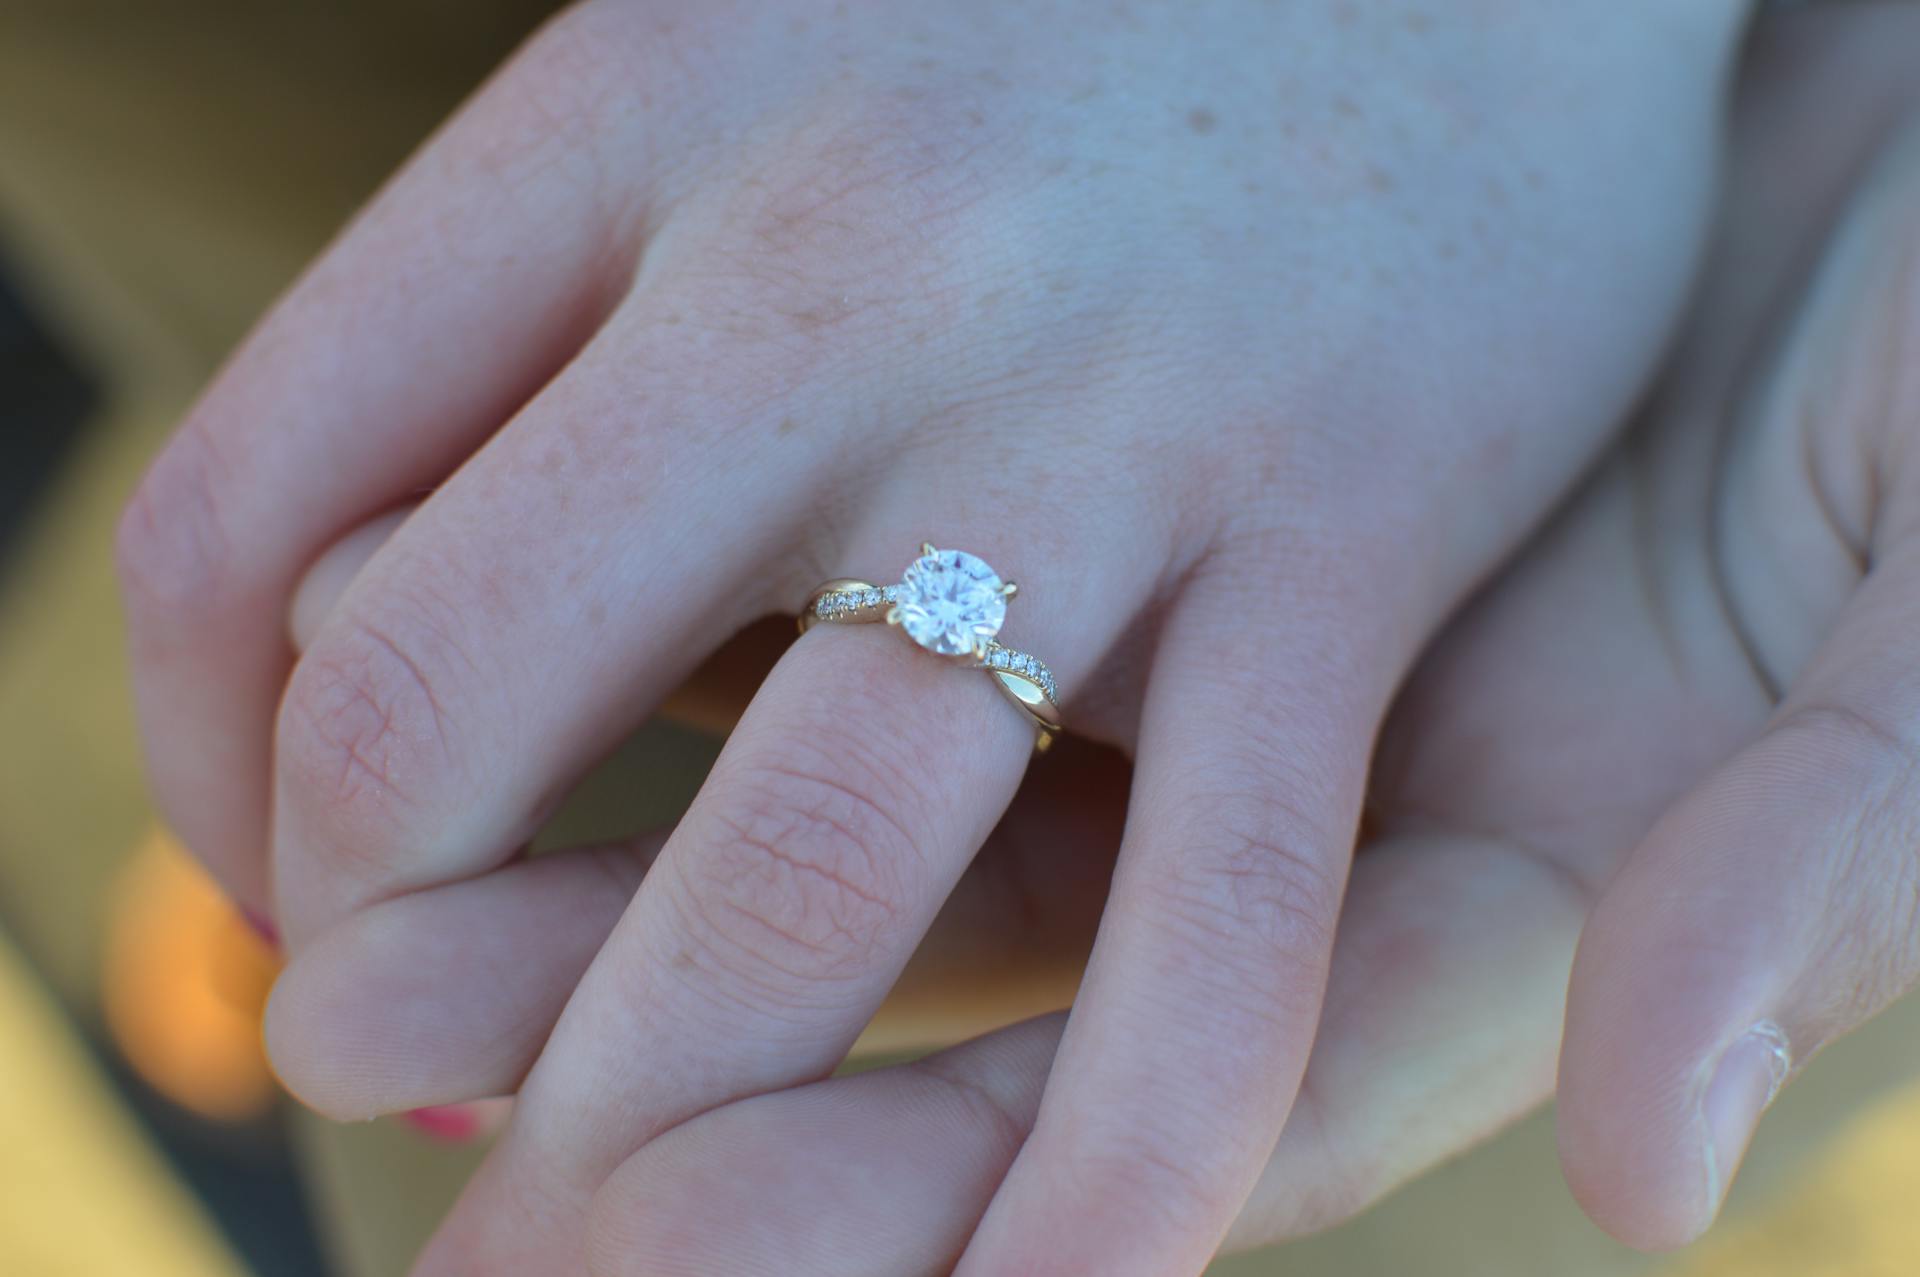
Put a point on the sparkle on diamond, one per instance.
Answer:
(951, 602)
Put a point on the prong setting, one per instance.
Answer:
(951, 601)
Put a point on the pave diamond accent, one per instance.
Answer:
(951, 602)
(1005, 658)
(838, 604)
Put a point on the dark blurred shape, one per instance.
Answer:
(246, 1179)
(45, 399)
(242, 1172)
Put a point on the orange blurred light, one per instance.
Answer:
(186, 982)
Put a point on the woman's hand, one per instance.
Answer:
(1712, 643)
(1247, 338)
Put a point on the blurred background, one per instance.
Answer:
(165, 168)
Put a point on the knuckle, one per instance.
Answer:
(1871, 879)
(1858, 732)
(1861, 894)
(869, 175)
(171, 548)
(878, 210)
(552, 132)
(1129, 1175)
(363, 727)
(571, 62)
(806, 877)
(578, 40)
(1255, 904)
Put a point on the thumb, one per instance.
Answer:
(1776, 906)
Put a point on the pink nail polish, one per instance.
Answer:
(259, 924)
(1745, 1081)
(450, 1123)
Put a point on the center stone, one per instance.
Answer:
(951, 602)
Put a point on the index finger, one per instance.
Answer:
(456, 293)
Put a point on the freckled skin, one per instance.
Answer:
(1137, 303)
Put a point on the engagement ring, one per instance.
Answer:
(951, 603)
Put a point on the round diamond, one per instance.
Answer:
(951, 602)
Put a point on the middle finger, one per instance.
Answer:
(528, 615)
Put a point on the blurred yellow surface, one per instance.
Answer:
(1853, 1215)
(81, 1192)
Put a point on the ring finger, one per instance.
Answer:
(859, 784)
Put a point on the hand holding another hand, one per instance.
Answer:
(1249, 340)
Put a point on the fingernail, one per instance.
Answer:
(259, 924)
(449, 1123)
(1747, 1078)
